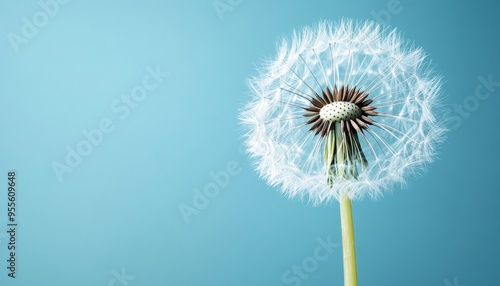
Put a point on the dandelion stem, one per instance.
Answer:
(348, 248)
(337, 160)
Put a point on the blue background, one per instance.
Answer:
(119, 209)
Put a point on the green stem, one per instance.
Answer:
(339, 166)
(348, 248)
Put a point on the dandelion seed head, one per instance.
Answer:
(346, 107)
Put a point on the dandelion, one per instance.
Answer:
(345, 111)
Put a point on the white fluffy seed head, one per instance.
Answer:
(401, 84)
(340, 110)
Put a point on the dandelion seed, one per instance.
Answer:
(345, 111)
